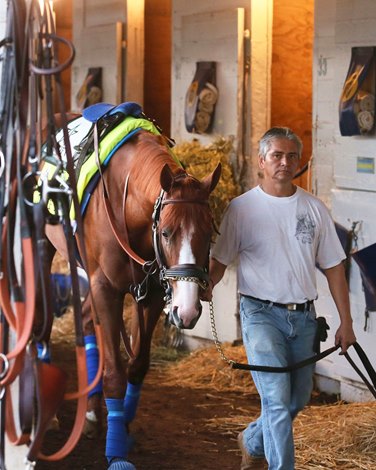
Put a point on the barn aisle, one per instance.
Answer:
(192, 408)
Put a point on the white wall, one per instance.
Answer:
(111, 38)
(339, 26)
(206, 31)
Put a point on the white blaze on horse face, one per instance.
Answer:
(185, 293)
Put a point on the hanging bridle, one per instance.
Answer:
(30, 74)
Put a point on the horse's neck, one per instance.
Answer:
(148, 182)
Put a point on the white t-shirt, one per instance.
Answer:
(278, 242)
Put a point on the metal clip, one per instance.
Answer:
(47, 187)
(5, 360)
(150, 267)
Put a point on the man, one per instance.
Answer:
(278, 233)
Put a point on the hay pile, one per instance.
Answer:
(339, 436)
(204, 368)
(199, 161)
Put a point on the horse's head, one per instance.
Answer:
(183, 231)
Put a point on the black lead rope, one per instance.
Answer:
(362, 356)
(368, 366)
(298, 365)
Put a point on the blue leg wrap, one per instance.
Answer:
(44, 352)
(116, 440)
(131, 400)
(92, 361)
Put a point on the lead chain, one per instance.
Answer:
(202, 284)
(217, 343)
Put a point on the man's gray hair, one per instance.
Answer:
(278, 133)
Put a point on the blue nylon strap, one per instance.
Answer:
(44, 352)
(131, 400)
(92, 363)
(116, 439)
(98, 110)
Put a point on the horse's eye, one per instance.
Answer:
(165, 234)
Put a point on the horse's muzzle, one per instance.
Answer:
(174, 319)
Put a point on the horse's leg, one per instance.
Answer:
(133, 391)
(109, 306)
(139, 366)
(93, 421)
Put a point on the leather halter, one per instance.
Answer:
(181, 272)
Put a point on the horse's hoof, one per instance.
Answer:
(121, 464)
(92, 427)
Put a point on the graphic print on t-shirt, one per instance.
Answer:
(305, 228)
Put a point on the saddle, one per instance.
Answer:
(106, 117)
(115, 126)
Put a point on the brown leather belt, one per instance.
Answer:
(293, 307)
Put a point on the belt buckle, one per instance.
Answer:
(291, 307)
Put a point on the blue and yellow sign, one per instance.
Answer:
(365, 165)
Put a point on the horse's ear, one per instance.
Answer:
(166, 178)
(211, 180)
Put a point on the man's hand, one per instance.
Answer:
(216, 271)
(345, 336)
(207, 294)
(338, 288)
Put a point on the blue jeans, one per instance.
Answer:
(275, 336)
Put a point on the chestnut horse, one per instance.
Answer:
(155, 212)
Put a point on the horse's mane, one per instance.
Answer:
(152, 152)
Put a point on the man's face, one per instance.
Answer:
(281, 161)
